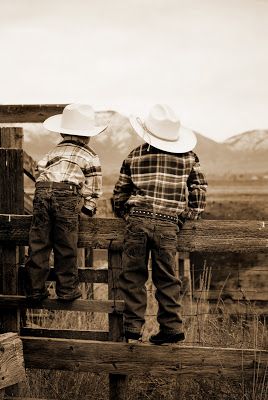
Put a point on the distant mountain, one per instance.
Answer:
(249, 141)
(241, 154)
(225, 158)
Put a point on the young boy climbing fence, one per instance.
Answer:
(69, 181)
(151, 195)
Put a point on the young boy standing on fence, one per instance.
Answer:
(151, 195)
(69, 182)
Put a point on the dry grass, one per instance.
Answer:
(202, 328)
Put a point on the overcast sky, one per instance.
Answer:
(208, 59)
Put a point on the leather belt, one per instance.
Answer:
(58, 185)
(150, 214)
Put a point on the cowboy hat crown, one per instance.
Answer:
(162, 129)
(163, 122)
(76, 119)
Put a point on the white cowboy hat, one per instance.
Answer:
(76, 119)
(162, 129)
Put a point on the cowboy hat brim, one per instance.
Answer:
(186, 139)
(53, 124)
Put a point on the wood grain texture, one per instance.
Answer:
(202, 235)
(102, 306)
(37, 112)
(89, 275)
(65, 333)
(123, 358)
(11, 137)
(11, 360)
(117, 382)
(243, 295)
(11, 201)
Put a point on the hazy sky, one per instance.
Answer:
(208, 59)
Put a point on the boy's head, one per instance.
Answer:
(83, 139)
(75, 120)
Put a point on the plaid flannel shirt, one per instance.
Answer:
(157, 181)
(74, 162)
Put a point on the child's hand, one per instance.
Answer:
(181, 221)
(88, 211)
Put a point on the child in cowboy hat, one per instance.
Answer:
(151, 195)
(69, 181)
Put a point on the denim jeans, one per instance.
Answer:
(144, 234)
(54, 226)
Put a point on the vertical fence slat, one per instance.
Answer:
(117, 383)
(11, 202)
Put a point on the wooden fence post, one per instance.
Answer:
(11, 138)
(185, 273)
(89, 263)
(11, 360)
(11, 202)
(117, 383)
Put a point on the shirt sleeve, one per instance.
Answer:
(92, 187)
(122, 190)
(197, 187)
(41, 166)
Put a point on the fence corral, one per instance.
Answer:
(98, 350)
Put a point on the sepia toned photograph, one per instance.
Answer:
(133, 200)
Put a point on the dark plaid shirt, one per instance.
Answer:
(73, 161)
(156, 180)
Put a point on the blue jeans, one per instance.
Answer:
(144, 234)
(54, 226)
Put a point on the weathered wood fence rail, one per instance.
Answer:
(105, 351)
(202, 235)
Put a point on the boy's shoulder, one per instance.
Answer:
(146, 149)
(79, 146)
(136, 150)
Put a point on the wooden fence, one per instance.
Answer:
(98, 350)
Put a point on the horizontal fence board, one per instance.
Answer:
(236, 313)
(124, 358)
(102, 306)
(88, 275)
(244, 295)
(36, 112)
(28, 112)
(65, 333)
(202, 235)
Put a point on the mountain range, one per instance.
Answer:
(245, 153)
